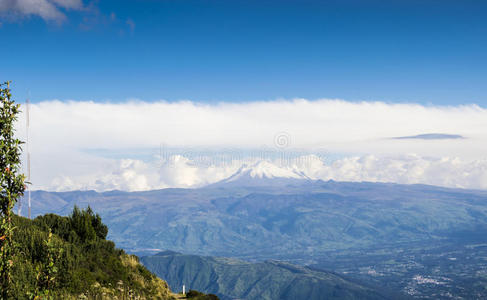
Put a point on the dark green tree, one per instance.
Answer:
(11, 183)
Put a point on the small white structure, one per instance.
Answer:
(184, 289)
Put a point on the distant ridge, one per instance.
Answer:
(270, 280)
(167, 253)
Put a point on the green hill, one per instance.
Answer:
(236, 279)
(77, 261)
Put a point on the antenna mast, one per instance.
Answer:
(27, 118)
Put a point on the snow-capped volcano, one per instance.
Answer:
(264, 169)
(263, 173)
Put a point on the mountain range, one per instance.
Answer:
(383, 232)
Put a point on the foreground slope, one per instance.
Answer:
(236, 279)
(77, 261)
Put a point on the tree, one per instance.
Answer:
(11, 183)
(47, 270)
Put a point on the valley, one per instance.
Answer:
(422, 241)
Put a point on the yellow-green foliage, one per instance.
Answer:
(77, 262)
(159, 288)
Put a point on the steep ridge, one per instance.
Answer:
(270, 280)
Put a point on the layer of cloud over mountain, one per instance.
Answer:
(354, 136)
(134, 175)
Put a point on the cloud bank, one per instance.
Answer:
(66, 137)
(179, 171)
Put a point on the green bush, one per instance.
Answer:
(195, 295)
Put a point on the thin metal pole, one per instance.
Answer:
(28, 153)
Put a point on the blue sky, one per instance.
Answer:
(400, 69)
(429, 52)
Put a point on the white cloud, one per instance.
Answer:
(359, 131)
(327, 124)
(178, 171)
(407, 169)
(49, 10)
